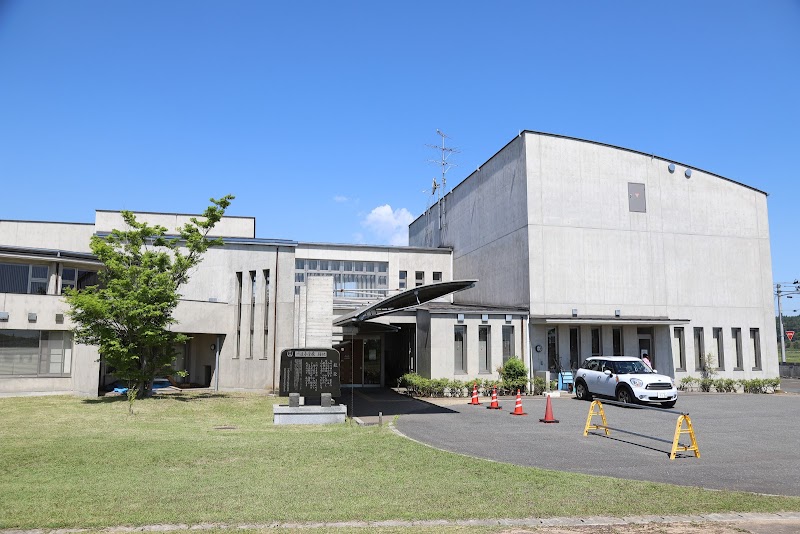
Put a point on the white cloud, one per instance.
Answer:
(340, 198)
(388, 226)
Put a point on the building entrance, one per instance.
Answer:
(361, 361)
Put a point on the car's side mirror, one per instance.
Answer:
(655, 370)
(607, 372)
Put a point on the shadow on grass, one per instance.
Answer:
(178, 396)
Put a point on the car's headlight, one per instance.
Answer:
(672, 380)
(636, 382)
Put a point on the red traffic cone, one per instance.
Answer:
(518, 406)
(475, 401)
(494, 405)
(548, 413)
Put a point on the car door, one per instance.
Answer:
(588, 372)
(606, 384)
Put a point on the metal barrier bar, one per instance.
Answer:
(644, 407)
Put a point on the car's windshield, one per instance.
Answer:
(634, 367)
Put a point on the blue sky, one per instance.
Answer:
(316, 114)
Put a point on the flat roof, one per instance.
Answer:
(404, 248)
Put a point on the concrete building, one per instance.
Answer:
(579, 249)
(614, 252)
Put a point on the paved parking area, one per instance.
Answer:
(746, 442)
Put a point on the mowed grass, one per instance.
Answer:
(792, 356)
(67, 462)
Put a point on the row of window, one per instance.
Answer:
(32, 279)
(419, 278)
(356, 279)
(35, 353)
(484, 347)
(717, 349)
(252, 279)
(341, 266)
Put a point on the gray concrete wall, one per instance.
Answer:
(485, 223)
(47, 235)
(105, 221)
(700, 252)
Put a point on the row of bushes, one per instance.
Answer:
(419, 386)
(729, 385)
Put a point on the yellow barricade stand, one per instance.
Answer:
(596, 409)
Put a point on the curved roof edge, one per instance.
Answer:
(560, 136)
(644, 154)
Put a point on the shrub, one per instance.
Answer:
(760, 385)
(540, 385)
(513, 375)
(725, 385)
(705, 384)
(688, 383)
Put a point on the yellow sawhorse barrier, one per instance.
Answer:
(683, 419)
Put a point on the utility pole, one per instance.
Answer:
(780, 320)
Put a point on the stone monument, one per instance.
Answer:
(312, 374)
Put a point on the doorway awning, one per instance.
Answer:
(401, 301)
(606, 319)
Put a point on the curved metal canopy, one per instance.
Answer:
(406, 299)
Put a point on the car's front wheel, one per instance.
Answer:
(581, 391)
(625, 396)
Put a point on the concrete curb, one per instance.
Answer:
(732, 517)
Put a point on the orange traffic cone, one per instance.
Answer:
(548, 413)
(518, 406)
(494, 405)
(475, 401)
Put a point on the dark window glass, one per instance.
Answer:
(14, 278)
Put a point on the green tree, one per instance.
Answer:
(129, 313)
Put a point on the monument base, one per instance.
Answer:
(309, 415)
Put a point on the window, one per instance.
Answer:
(350, 279)
(508, 342)
(574, 347)
(437, 276)
(679, 347)
(460, 349)
(77, 278)
(552, 349)
(755, 337)
(419, 278)
(35, 353)
(300, 265)
(23, 278)
(266, 313)
(238, 315)
(485, 348)
(403, 276)
(736, 334)
(252, 313)
(719, 346)
(616, 334)
(597, 342)
(699, 349)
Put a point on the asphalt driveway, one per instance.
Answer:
(746, 442)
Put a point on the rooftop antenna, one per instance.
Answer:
(439, 189)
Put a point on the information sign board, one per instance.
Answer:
(310, 372)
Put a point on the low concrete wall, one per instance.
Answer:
(789, 370)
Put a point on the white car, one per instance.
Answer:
(627, 379)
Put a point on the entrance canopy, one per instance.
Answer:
(401, 301)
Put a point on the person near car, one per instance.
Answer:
(646, 360)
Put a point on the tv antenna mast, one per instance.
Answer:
(439, 189)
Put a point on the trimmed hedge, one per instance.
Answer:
(729, 385)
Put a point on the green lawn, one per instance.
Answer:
(66, 462)
(792, 356)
